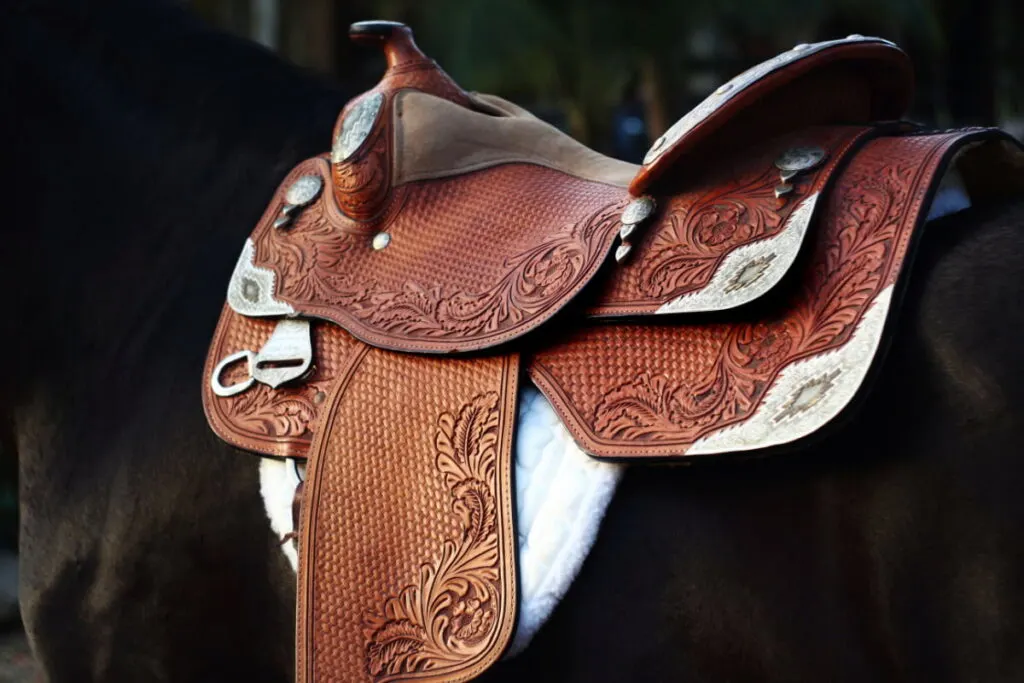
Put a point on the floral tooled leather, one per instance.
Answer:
(270, 421)
(472, 262)
(448, 614)
(711, 215)
(408, 544)
(641, 390)
(362, 183)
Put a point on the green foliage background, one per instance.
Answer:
(577, 57)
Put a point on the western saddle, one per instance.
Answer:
(729, 295)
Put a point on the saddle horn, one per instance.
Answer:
(408, 66)
(360, 154)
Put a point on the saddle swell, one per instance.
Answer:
(730, 295)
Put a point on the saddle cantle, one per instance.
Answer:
(729, 295)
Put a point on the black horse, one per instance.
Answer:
(138, 150)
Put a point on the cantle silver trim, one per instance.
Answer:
(732, 88)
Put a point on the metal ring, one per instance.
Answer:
(239, 387)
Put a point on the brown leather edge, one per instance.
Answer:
(939, 157)
(889, 106)
(310, 504)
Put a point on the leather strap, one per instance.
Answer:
(407, 557)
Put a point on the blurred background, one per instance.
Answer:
(616, 73)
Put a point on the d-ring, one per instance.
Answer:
(238, 387)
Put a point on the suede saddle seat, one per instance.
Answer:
(729, 295)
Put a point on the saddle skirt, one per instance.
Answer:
(731, 294)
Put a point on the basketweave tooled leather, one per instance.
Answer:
(480, 259)
(475, 260)
(679, 254)
(586, 394)
(408, 547)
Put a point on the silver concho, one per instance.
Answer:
(638, 210)
(635, 213)
(800, 159)
(304, 190)
(357, 126)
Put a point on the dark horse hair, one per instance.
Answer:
(139, 147)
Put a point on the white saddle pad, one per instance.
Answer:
(561, 493)
(561, 496)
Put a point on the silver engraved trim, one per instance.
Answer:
(303, 191)
(289, 343)
(356, 127)
(800, 159)
(807, 394)
(732, 88)
(251, 289)
(638, 210)
(751, 270)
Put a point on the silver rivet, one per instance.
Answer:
(381, 240)
(801, 47)
(782, 190)
(282, 221)
(288, 209)
(658, 144)
(250, 290)
(626, 230)
(786, 176)
(638, 210)
(800, 159)
(855, 36)
(304, 190)
(319, 397)
(623, 251)
(724, 88)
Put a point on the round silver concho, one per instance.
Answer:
(304, 190)
(356, 127)
(800, 159)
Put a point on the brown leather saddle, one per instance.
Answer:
(729, 295)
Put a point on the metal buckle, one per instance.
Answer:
(285, 357)
(238, 387)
